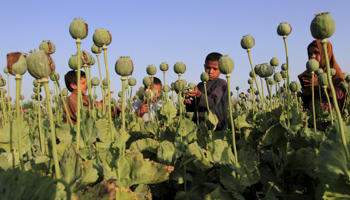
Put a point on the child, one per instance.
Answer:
(71, 83)
(216, 92)
(141, 107)
(315, 51)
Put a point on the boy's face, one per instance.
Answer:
(212, 68)
(314, 53)
(82, 85)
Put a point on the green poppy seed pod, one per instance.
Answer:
(85, 57)
(120, 94)
(256, 92)
(184, 82)
(33, 96)
(179, 68)
(179, 86)
(105, 82)
(251, 74)
(73, 62)
(164, 66)
(148, 94)
(40, 64)
(17, 63)
(322, 79)
(93, 61)
(345, 74)
(247, 42)
(299, 94)
(344, 85)
(284, 74)
(274, 61)
(284, 29)
(155, 92)
(265, 70)
(271, 81)
(281, 89)
(294, 86)
(204, 77)
(55, 76)
(347, 78)
(6, 71)
(237, 88)
(284, 67)
(147, 81)
(151, 70)
(241, 95)
(35, 90)
(277, 77)
(132, 81)
(322, 26)
(51, 92)
(256, 68)
(65, 92)
(172, 85)
(226, 65)
(95, 96)
(312, 65)
(2, 82)
(247, 95)
(102, 37)
(47, 46)
(231, 93)
(166, 88)
(36, 83)
(249, 90)
(95, 81)
(319, 71)
(37, 98)
(78, 29)
(95, 49)
(124, 66)
(191, 86)
(250, 81)
(333, 72)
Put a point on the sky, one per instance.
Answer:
(152, 32)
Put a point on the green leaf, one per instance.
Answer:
(303, 160)
(274, 134)
(186, 127)
(17, 184)
(102, 191)
(133, 169)
(213, 119)
(70, 166)
(167, 153)
(240, 122)
(65, 133)
(219, 193)
(88, 176)
(147, 146)
(331, 161)
(9, 160)
(337, 189)
(220, 151)
(169, 111)
(197, 156)
(9, 136)
(143, 192)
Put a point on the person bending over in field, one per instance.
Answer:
(141, 107)
(315, 51)
(71, 83)
(216, 91)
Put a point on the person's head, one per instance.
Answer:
(157, 86)
(313, 51)
(71, 81)
(211, 65)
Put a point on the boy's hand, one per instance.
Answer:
(187, 101)
(195, 92)
(142, 110)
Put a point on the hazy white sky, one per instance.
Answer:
(152, 32)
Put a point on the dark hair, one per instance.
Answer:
(156, 81)
(71, 77)
(214, 56)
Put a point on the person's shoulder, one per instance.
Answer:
(221, 81)
(138, 103)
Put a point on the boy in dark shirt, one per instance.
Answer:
(216, 91)
(71, 83)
